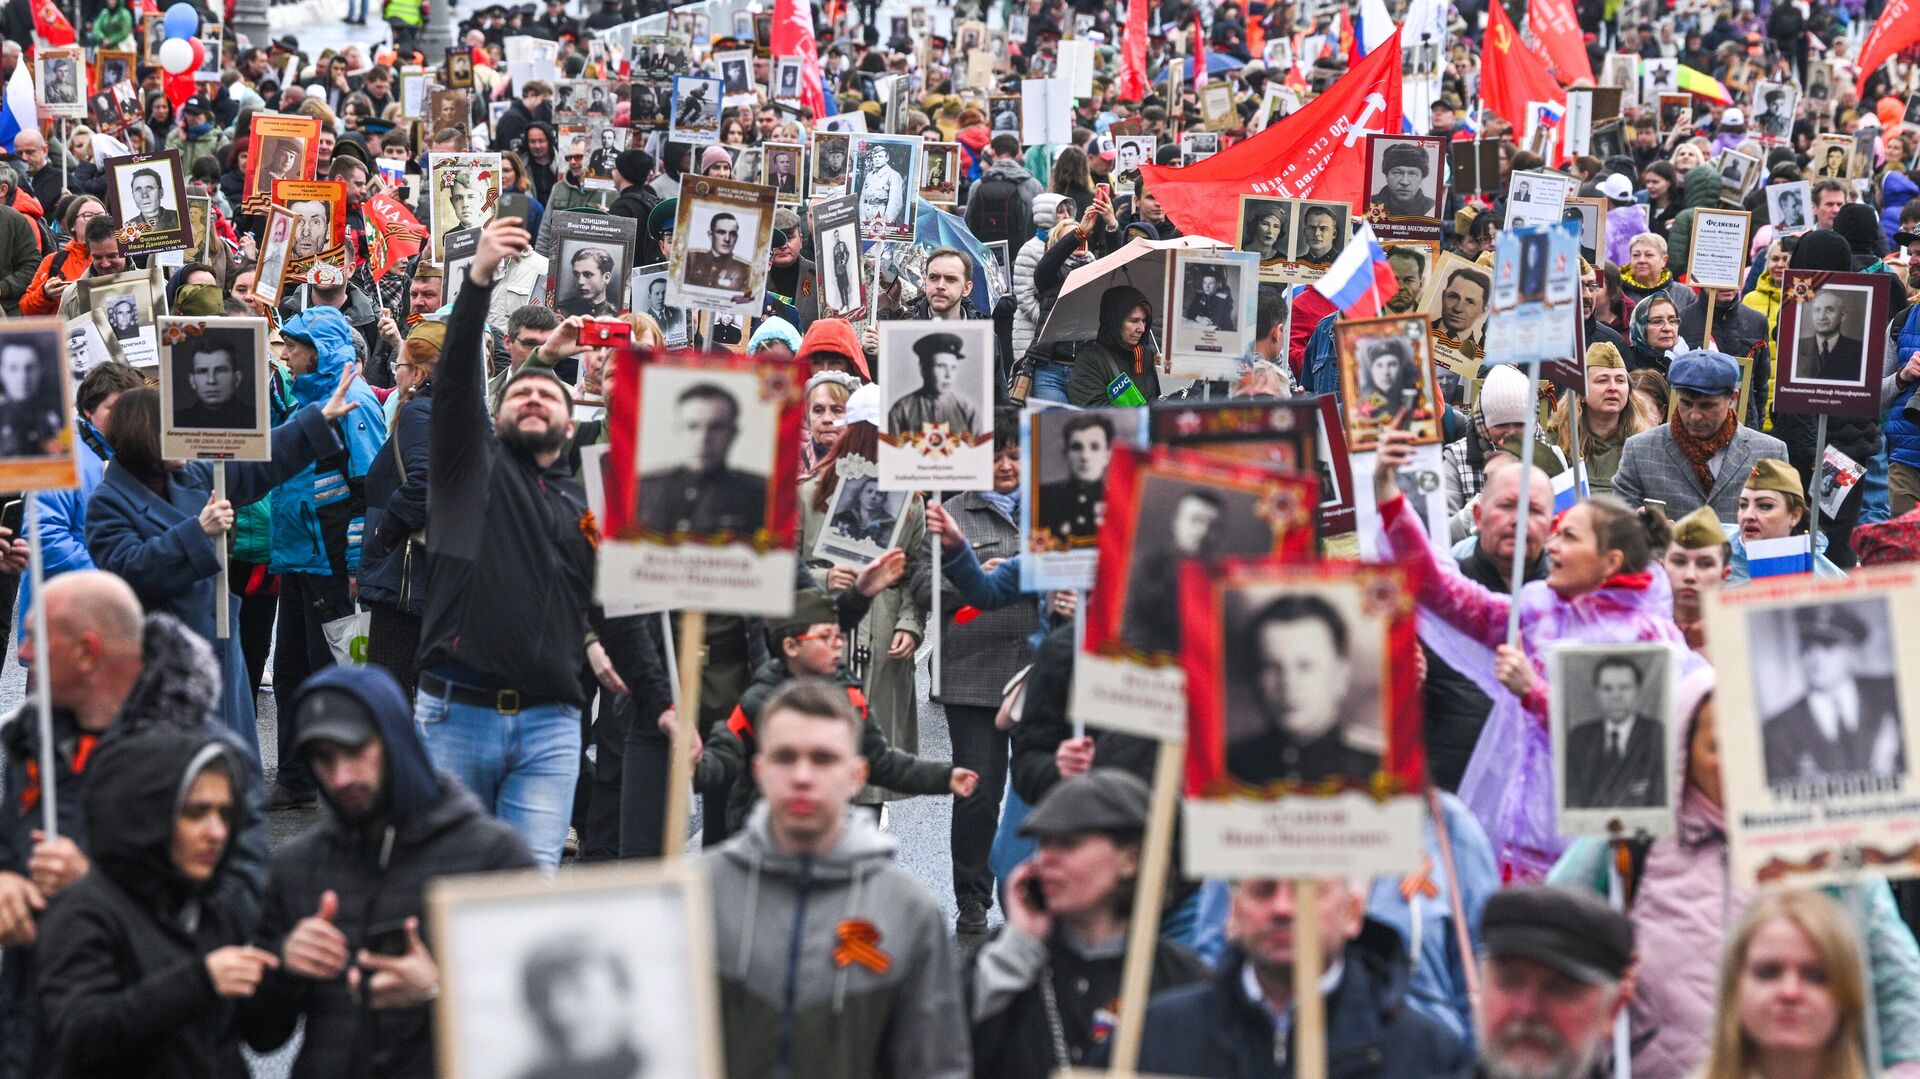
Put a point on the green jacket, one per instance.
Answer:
(19, 258)
(114, 26)
(191, 150)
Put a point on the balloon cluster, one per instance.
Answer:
(181, 51)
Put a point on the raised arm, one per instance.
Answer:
(461, 441)
(1439, 589)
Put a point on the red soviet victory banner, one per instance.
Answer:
(1133, 54)
(1299, 157)
(396, 233)
(1894, 31)
(1553, 22)
(1510, 74)
(793, 36)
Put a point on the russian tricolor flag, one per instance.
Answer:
(1781, 557)
(17, 111)
(1360, 282)
(1566, 493)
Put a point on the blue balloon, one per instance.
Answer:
(181, 21)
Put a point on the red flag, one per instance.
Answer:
(1892, 32)
(793, 36)
(1133, 53)
(1318, 152)
(1199, 54)
(1510, 74)
(393, 233)
(1560, 37)
(1349, 41)
(51, 26)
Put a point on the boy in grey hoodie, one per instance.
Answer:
(833, 962)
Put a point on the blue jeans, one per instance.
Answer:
(356, 9)
(1050, 382)
(522, 767)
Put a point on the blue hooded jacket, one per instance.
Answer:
(319, 514)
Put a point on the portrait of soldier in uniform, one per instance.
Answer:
(937, 399)
(718, 267)
(703, 494)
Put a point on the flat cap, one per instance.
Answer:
(1699, 530)
(1833, 624)
(1773, 474)
(1102, 800)
(1704, 371)
(1574, 933)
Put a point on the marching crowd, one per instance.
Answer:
(427, 468)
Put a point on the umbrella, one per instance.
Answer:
(1217, 63)
(1142, 263)
(934, 228)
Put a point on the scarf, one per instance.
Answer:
(1008, 504)
(1666, 278)
(1700, 450)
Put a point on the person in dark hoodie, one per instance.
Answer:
(1122, 347)
(348, 893)
(1236, 1026)
(139, 967)
(111, 674)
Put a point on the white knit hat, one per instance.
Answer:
(863, 406)
(1503, 396)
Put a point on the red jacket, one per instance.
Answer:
(70, 263)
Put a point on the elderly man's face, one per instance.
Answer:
(146, 195)
(310, 228)
(709, 426)
(469, 197)
(1406, 270)
(215, 377)
(1702, 415)
(19, 372)
(1827, 313)
(1536, 1021)
(1463, 302)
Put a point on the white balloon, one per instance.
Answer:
(176, 56)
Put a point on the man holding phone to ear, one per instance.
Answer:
(346, 898)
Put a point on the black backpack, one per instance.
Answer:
(998, 211)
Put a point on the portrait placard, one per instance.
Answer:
(736, 76)
(785, 171)
(612, 961)
(605, 142)
(1829, 333)
(1829, 158)
(213, 389)
(1266, 229)
(1811, 802)
(319, 224)
(85, 347)
(723, 231)
(1130, 152)
(1774, 106)
(1592, 215)
(1536, 198)
(886, 169)
(1717, 256)
(592, 254)
(458, 68)
(1476, 167)
(124, 309)
(461, 246)
(111, 67)
(1064, 454)
(1459, 297)
(1790, 207)
(1165, 506)
(831, 174)
(940, 172)
(1739, 173)
(862, 522)
(278, 148)
(695, 116)
(647, 295)
(701, 507)
(1386, 371)
(146, 193)
(1210, 323)
(276, 250)
(1281, 435)
(36, 439)
(1334, 468)
(1304, 749)
(1319, 235)
(1611, 714)
(200, 225)
(936, 382)
(1408, 186)
(465, 191)
(836, 249)
(1536, 291)
(60, 81)
(449, 110)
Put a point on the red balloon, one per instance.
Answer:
(179, 88)
(199, 54)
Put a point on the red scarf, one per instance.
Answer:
(1700, 451)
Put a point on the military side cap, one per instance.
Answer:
(1833, 624)
(1773, 474)
(1102, 800)
(1699, 530)
(1603, 354)
(1571, 932)
(935, 344)
(1544, 458)
(811, 607)
(1704, 371)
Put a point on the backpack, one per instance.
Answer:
(998, 211)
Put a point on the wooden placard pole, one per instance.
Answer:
(1617, 899)
(1079, 642)
(1519, 575)
(222, 606)
(1573, 431)
(1713, 297)
(1813, 494)
(1309, 1011)
(933, 619)
(42, 699)
(686, 710)
(1143, 927)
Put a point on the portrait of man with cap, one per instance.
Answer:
(703, 494)
(1773, 110)
(1401, 180)
(1825, 350)
(938, 399)
(1844, 723)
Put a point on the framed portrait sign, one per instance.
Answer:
(1717, 256)
(1830, 158)
(1407, 186)
(830, 174)
(459, 68)
(1774, 107)
(36, 442)
(464, 190)
(1805, 806)
(111, 67)
(1386, 373)
(616, 958)
(940, 172)
(1832, 348)
(1536, 290)
(936, 383)
(278, 148)
(276, 250)
(723, 231)
(1611, 714)
(1592, 215)
(786, 78)
(320, 223)
(1266, 229)
(213, 389)
(649, 104)
(449, 110)
(836, 250)
(1210, 317)
(1305, 756)
(736, 75)
(1216, 106)
(146, 193)
(1674, 112)
(1278, 434)
(1164, 507)
(60, 81)
(415, 84)
(1319, 235)
(1064, 455)
(125, 307)
(885, 177)
(696, 109)
(647, 295)
(695, 520)
(1458, 298)
(862, 521)
(1536, 197)
(1739, 174)
(785, 171)
(1334, 468)
(592, 254)
(1130, 152)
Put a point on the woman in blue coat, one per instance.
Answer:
(155, 522)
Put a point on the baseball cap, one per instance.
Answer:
(197, 103)
(1616, 188)
(332, 715)
(1732, 118)
(863, 406)
(1102, 800)
(1575, 934)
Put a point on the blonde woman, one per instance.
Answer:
(1792, 999)
(1609, 415)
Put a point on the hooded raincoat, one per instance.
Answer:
(1106, 358)
(320, 513)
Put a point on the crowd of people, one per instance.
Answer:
(432, 413)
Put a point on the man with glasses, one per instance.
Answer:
(569, 193)
(1702, 457)
(1593, 292)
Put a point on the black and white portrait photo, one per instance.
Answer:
(783, 164)
(836, 252)
(1180, 519)
(1266, 227)
(1321, 233)
(649, 297)
(1405, 179)
(585, 282)
(714, 258)
(213, 380)
(830, 170)
(1831, 346)
(60, 83)
(885, 172)
(1738, 173)
(1610, 709)
(1071, 451)
(649, 104)
(940, 172)
(145, 194)
(123, 317)
(706, 453)
(606, 142)
(1214, 295)
(32, 408)
(936, 387)
(1829, 691)
(723, 231)
(697, 104)
(1304, 684)
(942, 396)
(1790, 207)
(736, 72)
(1819, 81)
(786, 79)
(608, 974)
(862, 520)
(1773, 108)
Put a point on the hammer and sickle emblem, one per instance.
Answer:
(1502, 37)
